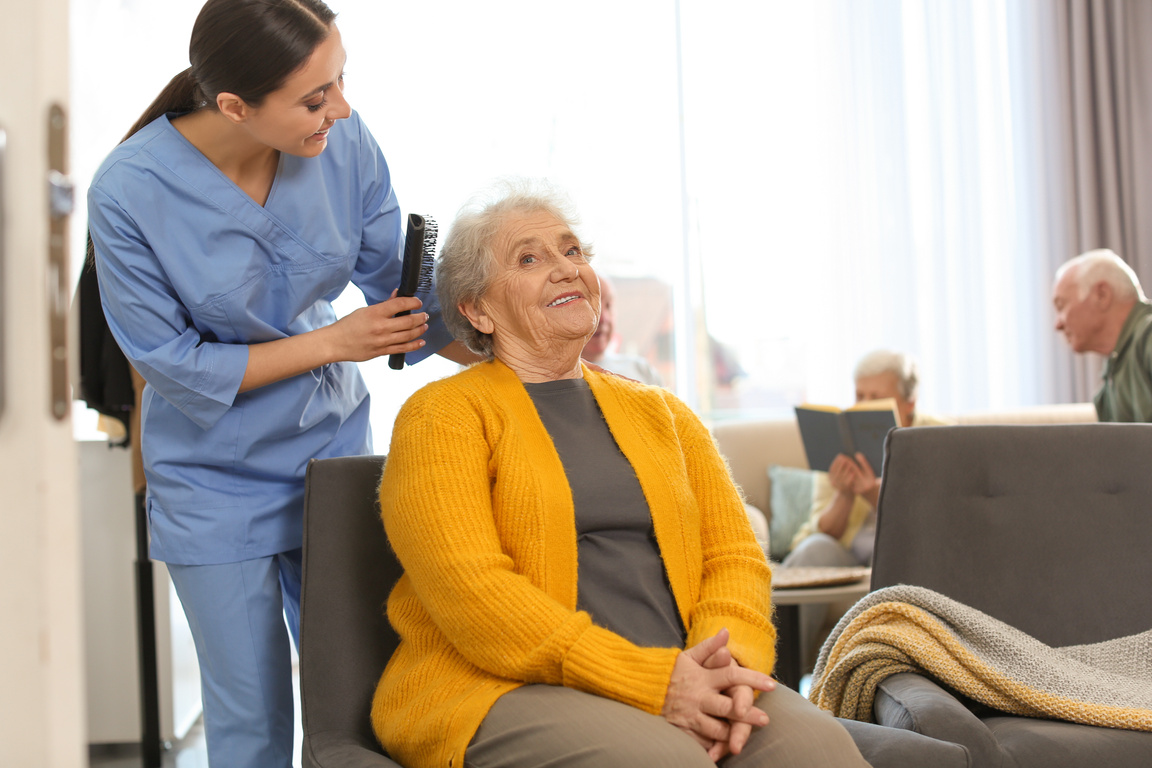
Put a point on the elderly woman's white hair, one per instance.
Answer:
(465, 267)
(1103, 265)
(902, 366)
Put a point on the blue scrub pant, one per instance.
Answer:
(236, 612)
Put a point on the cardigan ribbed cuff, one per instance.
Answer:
(753, 646)
(603, 663)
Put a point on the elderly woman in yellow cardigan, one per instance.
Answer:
(581, 586)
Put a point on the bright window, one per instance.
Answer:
(775, 187)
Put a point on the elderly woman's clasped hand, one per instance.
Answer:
(711, 697)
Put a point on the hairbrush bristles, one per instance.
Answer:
(428, 261)
(416, 271)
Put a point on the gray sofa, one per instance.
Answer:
(1047, 528)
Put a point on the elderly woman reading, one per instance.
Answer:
(581, 586)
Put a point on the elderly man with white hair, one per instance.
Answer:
(1100, 307)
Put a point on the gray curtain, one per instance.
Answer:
(1093, 60)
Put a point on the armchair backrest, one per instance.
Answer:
(1047, 528)
(349, 570)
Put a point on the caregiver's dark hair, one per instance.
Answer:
(245, 47)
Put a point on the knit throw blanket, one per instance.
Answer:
(912, 629)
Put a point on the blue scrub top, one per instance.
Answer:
(191, 271)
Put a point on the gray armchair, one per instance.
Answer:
(346, 640)
(1047, 528)
(345, 637)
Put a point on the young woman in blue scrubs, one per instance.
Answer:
(243, 202)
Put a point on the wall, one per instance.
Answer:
(109, 554)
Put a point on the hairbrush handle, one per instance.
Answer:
(416, 270)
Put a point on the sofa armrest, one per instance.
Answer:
(911, 702)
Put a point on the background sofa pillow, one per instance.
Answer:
(790, 503)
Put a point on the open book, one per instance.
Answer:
(828, 431)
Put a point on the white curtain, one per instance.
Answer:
(891, 204)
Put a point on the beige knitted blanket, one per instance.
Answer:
(912, 629)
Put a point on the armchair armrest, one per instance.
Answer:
(340, 749)
(911, 702)
(895, 748)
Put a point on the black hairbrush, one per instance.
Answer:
(416, 272)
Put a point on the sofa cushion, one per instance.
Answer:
(1028, 742)
(791, 503)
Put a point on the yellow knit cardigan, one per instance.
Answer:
(477, 507)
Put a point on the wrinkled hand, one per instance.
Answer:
(744, 714)
(372, 331)
(855, 477)
(706, 696)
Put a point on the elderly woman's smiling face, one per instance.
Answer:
(544, 296)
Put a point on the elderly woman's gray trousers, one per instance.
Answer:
(563, 728)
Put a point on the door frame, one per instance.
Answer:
(42, 704)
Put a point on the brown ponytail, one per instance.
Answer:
(180, 95)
